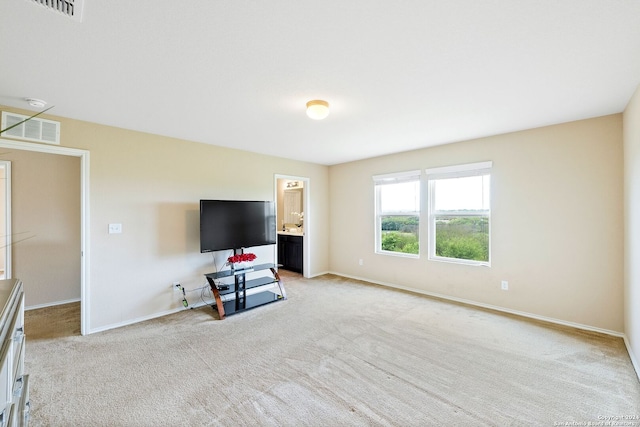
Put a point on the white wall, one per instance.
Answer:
(556, 230)
(632, 226)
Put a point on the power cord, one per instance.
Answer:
(206, 293)
(185, 303)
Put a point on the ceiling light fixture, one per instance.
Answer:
(317, 109)
(38, 103)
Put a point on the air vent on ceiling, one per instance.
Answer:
(36, 129)
(70, 8)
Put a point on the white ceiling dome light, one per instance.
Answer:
(317, 109)
(37, 103)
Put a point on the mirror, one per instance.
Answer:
(293, 206)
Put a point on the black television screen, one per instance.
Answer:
(235, 224)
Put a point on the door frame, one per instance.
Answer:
(6, 239)
(84, 216)
(306, 208)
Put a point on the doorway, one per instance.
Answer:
(293, 212)
(83, 155)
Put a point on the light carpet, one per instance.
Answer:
(338, 352)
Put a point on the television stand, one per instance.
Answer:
(245, 294)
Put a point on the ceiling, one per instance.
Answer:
(398, 75)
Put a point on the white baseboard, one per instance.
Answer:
(136, 320)
(634, 360)
(318, 274)
(198, 304)
(51, 304)
(489, 306)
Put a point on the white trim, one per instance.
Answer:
(470, 262)
(398, 254)
(634, 360)
(469, 213)
(488, 306)
(85, 294)
(7, 239)
(139, 319)
(469, 169)
(194, 306)
(52, 304)
(198, 304)
(85, 327)
(390, 178)
(322, 273)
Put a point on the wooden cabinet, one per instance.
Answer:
(290, 252)
(14, 384)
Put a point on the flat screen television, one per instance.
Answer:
(235, 224)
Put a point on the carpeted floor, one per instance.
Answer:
(338, 352)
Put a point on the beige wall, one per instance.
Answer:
(152, 185)
(45, 201)
(632, 226)
(556, 235)
(556, 228)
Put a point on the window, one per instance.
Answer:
(460, 213)
(398, 213)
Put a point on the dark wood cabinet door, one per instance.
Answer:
(290, 252)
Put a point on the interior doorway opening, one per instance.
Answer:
(83, 156)
(292, 196)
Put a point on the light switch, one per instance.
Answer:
(115, 228)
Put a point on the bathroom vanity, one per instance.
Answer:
(290, 251)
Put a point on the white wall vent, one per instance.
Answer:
(70, 8)
(35, 130)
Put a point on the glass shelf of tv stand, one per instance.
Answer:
(234, 298)
(229, 273)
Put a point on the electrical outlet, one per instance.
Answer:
(360, 261)
(505, 285)
(177, 287)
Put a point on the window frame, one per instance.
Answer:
(395, 178)
(449, 172)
